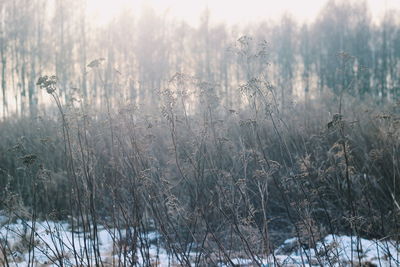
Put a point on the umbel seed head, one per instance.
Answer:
(48, 83)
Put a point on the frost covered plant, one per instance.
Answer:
(48, 83)
(95, 63)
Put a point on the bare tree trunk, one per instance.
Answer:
(3, 80)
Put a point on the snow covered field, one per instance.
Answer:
(56, 245)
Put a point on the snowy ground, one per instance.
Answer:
(54, 241)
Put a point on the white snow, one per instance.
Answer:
(54, 239)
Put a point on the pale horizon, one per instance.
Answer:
(223, 11)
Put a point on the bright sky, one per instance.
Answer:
(230, 11)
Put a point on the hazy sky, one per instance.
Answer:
(230, 11)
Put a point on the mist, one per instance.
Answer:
(170, 134)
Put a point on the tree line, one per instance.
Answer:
(135, 55)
